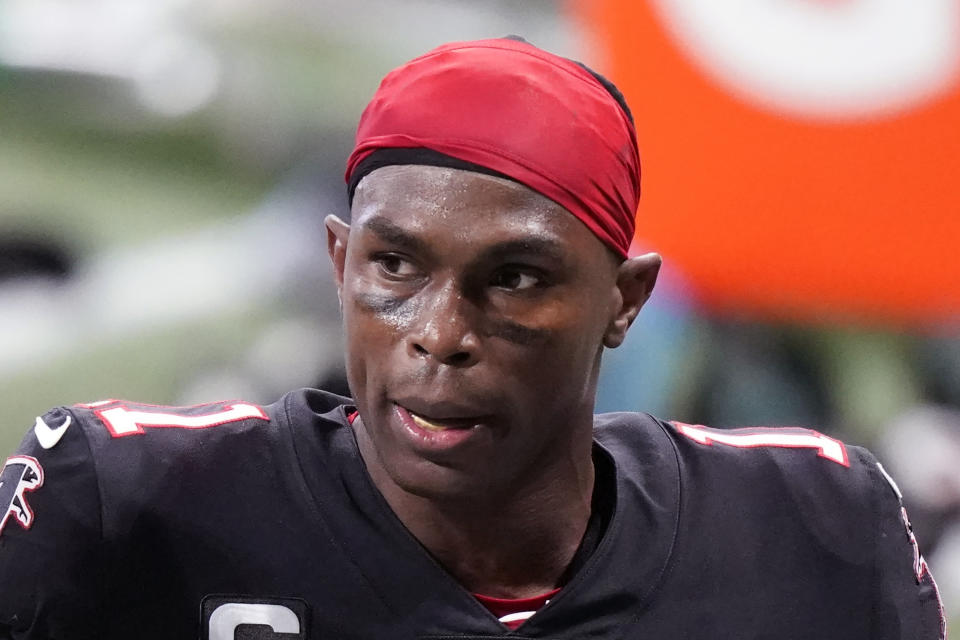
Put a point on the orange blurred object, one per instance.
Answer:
(778, 214)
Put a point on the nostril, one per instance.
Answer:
(459, 358)
(455, 359)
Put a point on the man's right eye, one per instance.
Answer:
(393, 265)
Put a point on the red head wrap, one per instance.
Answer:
(506, 105)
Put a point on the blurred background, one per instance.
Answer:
(165, 167)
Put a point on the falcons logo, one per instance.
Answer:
(20, 475)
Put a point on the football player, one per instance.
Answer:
(466, 490)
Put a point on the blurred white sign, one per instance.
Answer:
(832, 59)
(146, 42)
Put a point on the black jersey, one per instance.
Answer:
(231, 521)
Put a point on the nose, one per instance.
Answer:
(444, 331)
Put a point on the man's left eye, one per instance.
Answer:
(516, 280)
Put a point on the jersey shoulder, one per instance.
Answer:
(744, 479)
(135, 436)
(138, 438)
(822, 489)
(127, 456)
(99, 494)
(134, 448)
(817, 509)
(821, 475)
(212, 424)
(797, 454)
(825, 492)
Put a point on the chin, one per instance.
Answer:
(431, 481)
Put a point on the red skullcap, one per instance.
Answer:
(506, 105)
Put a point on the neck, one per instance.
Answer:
(517, 543)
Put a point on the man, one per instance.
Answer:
(466, 491)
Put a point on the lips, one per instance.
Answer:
(443, 428)
(442, 416)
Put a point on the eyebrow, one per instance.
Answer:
(537, 246)
(395, 234)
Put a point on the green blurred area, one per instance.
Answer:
(86, 167)
(135, 368)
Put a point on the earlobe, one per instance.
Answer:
(338, 232)
(636, 278)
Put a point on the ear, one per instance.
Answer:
(338, 232)
(635, 280)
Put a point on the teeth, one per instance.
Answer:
(425, 424)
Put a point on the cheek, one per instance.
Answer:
(375, 321)
(556, 354)
(569, 324)
(575, 347)
(381, 308)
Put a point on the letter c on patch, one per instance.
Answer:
(227, 617)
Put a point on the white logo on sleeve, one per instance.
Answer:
(47, 436)
(20, 474)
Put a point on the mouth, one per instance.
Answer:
(423, 423)
(443, 424)
(440, 424)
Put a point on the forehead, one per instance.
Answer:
(461, 207)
